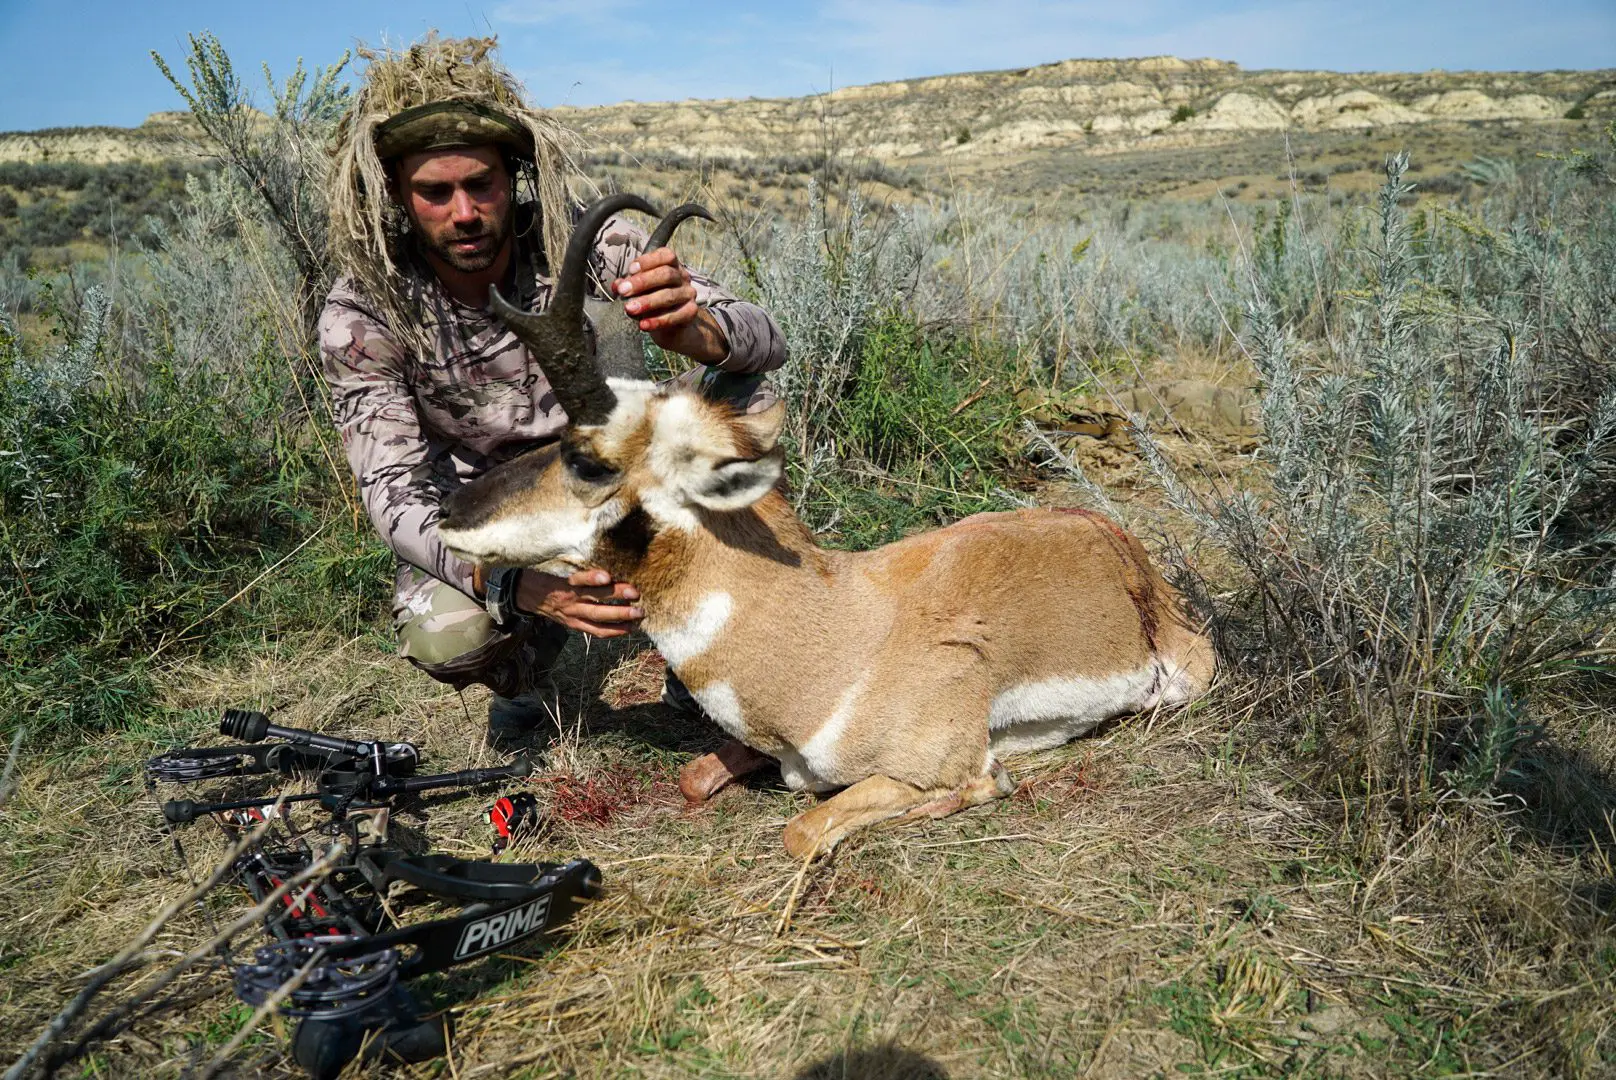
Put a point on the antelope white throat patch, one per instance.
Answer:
(564, 536)
(694, 636)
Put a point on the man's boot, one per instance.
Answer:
(530, 701)
(513, 720)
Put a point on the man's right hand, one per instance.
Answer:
(588, 601)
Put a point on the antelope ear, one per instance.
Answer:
(739, 482)
(763, 428)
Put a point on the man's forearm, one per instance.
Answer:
(404, 510)
(755, 343)
(702, 339)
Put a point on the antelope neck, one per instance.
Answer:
(761, 552)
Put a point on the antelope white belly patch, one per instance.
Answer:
(797, 775)
(697, 633)
(1177, 686)
(1038, 715)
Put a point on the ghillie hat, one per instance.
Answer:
(438, 94)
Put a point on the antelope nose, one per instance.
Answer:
(446, 509)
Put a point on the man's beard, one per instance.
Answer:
(474, 260)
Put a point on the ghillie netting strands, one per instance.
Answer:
(366, 226)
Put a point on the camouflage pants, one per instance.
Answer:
(449, 635)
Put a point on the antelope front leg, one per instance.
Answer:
(706, 776)
(878, 799)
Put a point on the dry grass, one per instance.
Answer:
(1160, 896)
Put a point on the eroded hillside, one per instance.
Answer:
(970, 120)
(1099, 105)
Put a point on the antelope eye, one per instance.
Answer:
(588, 469)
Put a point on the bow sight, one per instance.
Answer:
(298, 751)
(337, 960)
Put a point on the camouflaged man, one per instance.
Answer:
(432, 164)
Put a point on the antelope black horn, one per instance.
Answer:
(619, 345)
(556, 338)
(665, 227)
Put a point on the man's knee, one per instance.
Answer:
(450, 637)
(437, 624)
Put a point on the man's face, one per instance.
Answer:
(460, 203)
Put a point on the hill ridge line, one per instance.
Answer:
(1086, 105)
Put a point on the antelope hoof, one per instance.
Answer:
(806, 834)
(706, 776)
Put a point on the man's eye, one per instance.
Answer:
(588, 469)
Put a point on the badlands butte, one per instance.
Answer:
(1159, 125)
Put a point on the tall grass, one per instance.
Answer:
(891, 424)
(1429, 573)
(168, 482)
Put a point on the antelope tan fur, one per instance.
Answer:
(899, 676)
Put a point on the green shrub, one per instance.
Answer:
(281, 157)
(1182, 113)
(71, 201)
(892, 423)
(137, 498)
(168, 480)
(1439, 545)
(1448, 183)
(920, 432)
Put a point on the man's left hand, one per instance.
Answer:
(659, 295)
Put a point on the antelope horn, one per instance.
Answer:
(665, 227)
(619, 345)
(556, 338)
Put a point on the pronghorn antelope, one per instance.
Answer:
(899, 675)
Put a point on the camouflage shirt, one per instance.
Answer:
(414, 428)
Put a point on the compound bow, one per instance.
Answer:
(331, 961)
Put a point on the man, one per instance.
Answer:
(429, 390)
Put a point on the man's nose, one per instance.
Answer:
(464, 207)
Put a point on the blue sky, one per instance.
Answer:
(76, 62)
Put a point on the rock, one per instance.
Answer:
(1474, 105)
(1195, 405)
(1353, 109)
(1086, 105)
(1243, 112)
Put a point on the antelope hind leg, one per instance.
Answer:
(985, 788)
(878, 799)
